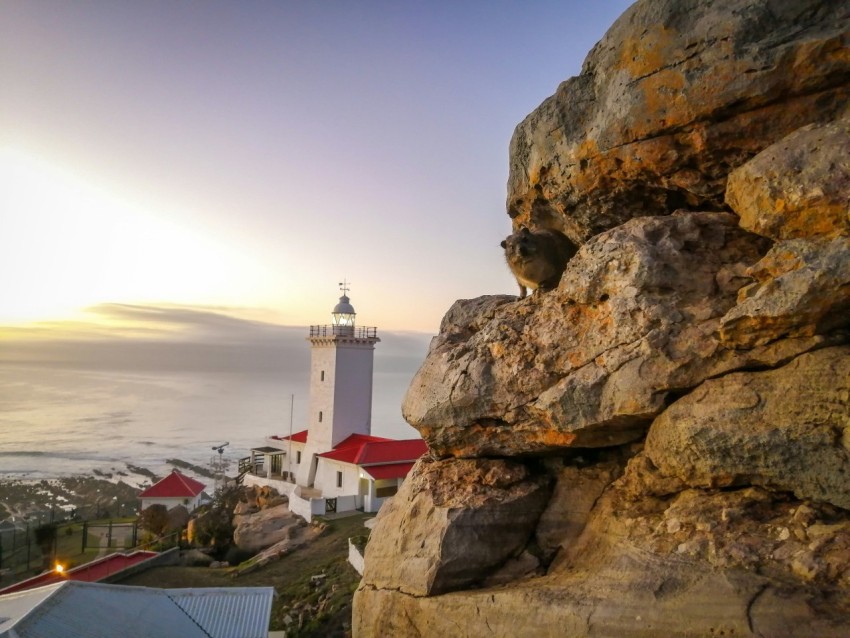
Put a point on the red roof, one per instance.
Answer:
(175, 485)
(90, 572)
(361, 449)
(298, 437)
(390, 471)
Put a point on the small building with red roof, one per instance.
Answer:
(336, 464)
(175, 489)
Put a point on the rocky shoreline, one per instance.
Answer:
(102, 494)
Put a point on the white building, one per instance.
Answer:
(175, 489)
(336, 464)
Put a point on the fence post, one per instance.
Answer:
(85, 536)
(109, 536)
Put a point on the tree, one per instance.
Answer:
(45, 538)
(154, 519)
(214, 526)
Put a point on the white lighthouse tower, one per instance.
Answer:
(341, 362)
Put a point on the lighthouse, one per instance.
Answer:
(341, 364)
(336, 464)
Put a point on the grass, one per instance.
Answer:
(324, 608)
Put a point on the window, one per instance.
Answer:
(298, 457)
(384, 492)
(323, 375)
(320, 416)
(339, 479)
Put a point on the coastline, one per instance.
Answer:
(98, 494)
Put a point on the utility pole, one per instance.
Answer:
(289, 454)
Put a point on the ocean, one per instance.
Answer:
(101, 407)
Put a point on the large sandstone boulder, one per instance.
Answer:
(699, 565)
(798, 192)
(798, 187)
(801, 288)
(788, 429)
(451, 523)
(676, 94)
(262, 529)
(723, 334)
(636, 317)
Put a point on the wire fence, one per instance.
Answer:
(30, 547)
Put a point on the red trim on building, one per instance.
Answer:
(390, 471)
(90, 572)
(298, 437)
(360, 449)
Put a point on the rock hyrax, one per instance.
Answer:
(537, 258)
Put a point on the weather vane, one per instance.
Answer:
(345, 286)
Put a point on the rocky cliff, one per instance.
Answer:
(661, 445)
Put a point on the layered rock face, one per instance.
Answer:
(676, 94)
(661, 445)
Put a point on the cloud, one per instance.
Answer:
(150, 338)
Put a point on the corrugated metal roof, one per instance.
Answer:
(91, 610)
(17, 605)
(228, 612)
(74, 609)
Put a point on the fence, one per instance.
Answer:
(109, 535)
(19, 550)
(29, 547)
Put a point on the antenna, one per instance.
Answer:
(345, 286)
(219, 465)
(220, 448)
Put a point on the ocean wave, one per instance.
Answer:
(26, 453)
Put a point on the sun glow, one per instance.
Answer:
(66, 243)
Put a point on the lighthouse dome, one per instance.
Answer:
(344, 307)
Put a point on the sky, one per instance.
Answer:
(168, 163)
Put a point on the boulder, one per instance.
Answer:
(787, 429)
(243, 508)
(576, 491)
(801, 288)
(297, 536)
(545, 508)
(798, 187)
(262, 529)
(653, 567)
(635, 317)
(451, 523)
(675, 95)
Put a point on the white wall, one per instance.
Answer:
(282, 487)
(326, 478)
(323, 358)
(343, 398)
(355, 558)
(353, 390)
(306, 508)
